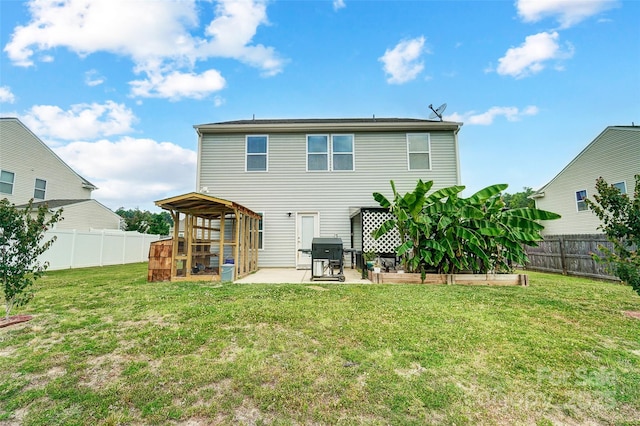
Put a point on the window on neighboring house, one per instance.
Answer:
(257, 148)
(317, 152)
(342, 149)
(40, 189)
(6, 182)
(622, 186)
(419, 151)
(261, 232)
(580, 197)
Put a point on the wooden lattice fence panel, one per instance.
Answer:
(371, 220)
(570, 255)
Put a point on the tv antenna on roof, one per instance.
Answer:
(437, 112)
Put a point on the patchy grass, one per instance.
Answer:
(105, 347)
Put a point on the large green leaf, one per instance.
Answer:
(522, 223)
(386, 226)
(471, 212)
(532, 214)
(382, 200)
(486, 193)
(444, 193)
(404, 247)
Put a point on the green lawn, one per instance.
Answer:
(106, 347)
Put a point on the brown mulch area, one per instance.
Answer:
(632, 314)
(16, 319)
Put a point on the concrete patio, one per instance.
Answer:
(299, 276)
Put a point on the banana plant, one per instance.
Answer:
(446, 233)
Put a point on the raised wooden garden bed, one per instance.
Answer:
(469, 279)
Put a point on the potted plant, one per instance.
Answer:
(369, 258)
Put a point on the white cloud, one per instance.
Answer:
(338, 4)
(218, 101)
(566, 12)
(6, 95)
(232, 30)
(132, 172)
(530, 57)
(82, 121)
(486, 118)
(176, 85)
(93, 78)
(166, 34)
(402, 63)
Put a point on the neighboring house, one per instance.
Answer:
(30, 169)
(82, 215)
(307, 177)
(615, 156)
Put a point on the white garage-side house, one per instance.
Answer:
(613, 155)
(311, 178)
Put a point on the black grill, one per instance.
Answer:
(327, 259)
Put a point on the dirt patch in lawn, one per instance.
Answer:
(16, 319)
(633, 314)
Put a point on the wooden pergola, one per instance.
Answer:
(215, 233)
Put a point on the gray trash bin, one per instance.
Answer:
(227, 272)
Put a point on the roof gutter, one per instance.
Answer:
(326, 127)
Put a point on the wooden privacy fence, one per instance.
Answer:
(570, 255)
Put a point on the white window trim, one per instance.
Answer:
(623, 182)
(575, 199)
(39, 189)
(353, 153)
(247, 154)
(409, 152)
(13, 184)
(329, 153)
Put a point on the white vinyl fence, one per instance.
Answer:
(80, 249)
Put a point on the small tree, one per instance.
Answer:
(620, 218)
(21, 242)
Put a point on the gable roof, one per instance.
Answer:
(540, 193)
(327, 124)
(85, 182)
(201, 205)
(54, 204)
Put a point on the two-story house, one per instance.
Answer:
(29, 169)
(615, 156)
(307, 177)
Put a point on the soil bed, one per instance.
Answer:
(16, 319)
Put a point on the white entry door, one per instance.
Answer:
(308, 226)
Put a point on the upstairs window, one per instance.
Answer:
(40, 189)
(322, 156)
(257, 149)
(622, 186)
(580, 197)
(419, 151)
(342, 147)
(6, 182)
(317, 152)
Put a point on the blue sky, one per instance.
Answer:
(114, 87)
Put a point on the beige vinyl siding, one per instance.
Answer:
(615, 156)
(288, 187)
(28, 158)
(88, 215)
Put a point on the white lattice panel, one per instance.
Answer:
(371, 220)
